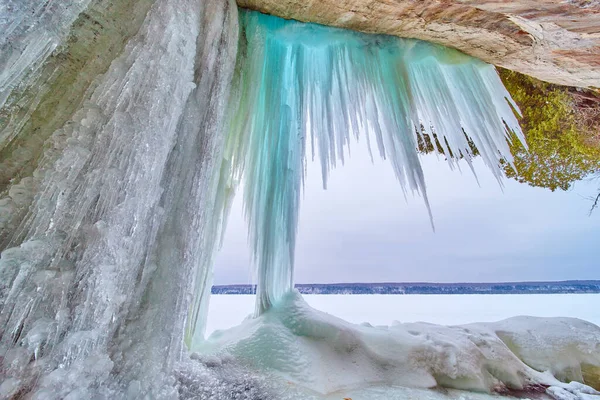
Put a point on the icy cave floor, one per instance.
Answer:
(294, 350)
(222, 379)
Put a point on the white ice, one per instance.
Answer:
(315, 350)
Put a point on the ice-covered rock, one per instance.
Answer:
(553, 40)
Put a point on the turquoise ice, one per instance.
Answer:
(304, 90)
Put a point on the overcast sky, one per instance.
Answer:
(362, 230)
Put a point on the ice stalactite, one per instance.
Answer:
(298, 80)
(111, 256)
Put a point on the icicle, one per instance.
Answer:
(31, 31)
(299, 80)
(43, 93)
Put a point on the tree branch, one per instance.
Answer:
(595, 205)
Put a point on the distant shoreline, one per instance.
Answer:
(398, 288)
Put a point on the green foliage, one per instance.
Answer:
(560, 150)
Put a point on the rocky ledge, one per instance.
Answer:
(552, 40)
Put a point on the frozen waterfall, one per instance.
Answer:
(108, 222)
(125, 129)
(297, 81)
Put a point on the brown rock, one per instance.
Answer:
(553, 40)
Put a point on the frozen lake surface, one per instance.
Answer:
(226, 311)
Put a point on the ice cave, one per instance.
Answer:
(127, 128)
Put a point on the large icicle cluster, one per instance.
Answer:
(111, 203)
(298, 80)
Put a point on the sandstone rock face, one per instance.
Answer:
(556, 41)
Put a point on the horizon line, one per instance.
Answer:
(430, 283)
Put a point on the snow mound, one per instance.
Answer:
(326, 354)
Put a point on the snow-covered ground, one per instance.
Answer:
(226, 311)
(296, 347)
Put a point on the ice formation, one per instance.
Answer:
(109, 231)
(312, 349)
(125, 127)
(298, 80)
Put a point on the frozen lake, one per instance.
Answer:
(226, 311)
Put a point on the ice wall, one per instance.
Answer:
(297, 81)
(43, 93)
(110, 213)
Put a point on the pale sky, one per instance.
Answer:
(362, 230)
